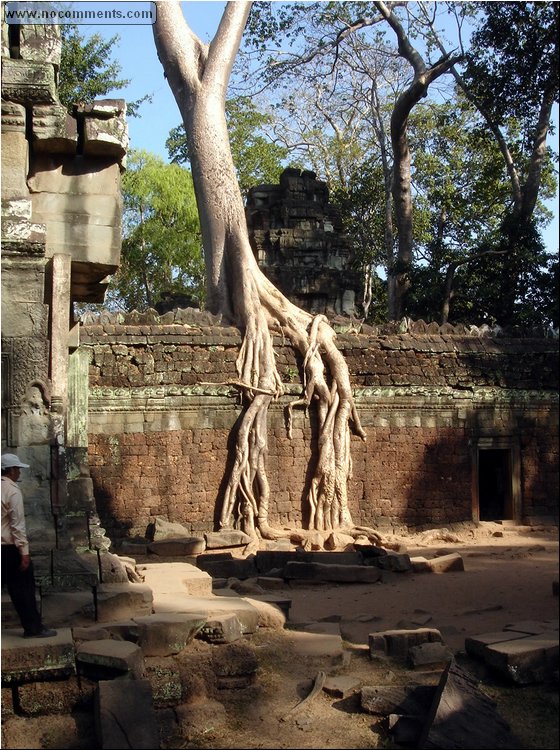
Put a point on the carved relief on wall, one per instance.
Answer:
(34, 420)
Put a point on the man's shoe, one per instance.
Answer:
(44, 633)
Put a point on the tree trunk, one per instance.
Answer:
(198, 77)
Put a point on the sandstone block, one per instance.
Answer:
(125, 715)
(166, 634)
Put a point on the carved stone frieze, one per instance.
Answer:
(54, 130)
(29, 82)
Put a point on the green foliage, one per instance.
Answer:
(257, 159)
(87, 71)
(161, 256)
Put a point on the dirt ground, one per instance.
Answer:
(508, 578)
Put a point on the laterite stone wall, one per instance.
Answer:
(162, 412)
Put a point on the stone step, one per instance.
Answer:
(36, 659)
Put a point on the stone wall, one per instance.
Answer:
(161, 411)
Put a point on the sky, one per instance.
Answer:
(137, 56)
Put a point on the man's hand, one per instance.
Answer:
(25, 562)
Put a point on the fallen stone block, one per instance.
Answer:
(210, 606)
(429, 656)
(475, 645)
(269, 560)
(396, 643)
(271, 582)
(272, 611)
(461, 716)
(278, 602)
(320, 572)
(176, 577)
(446, 563)
(121, 601)
(166, 634)
(221, 629)
(410, 699)
(165, 680)
(226, 538)
(525, 660)
(177, 547)
(125, 715)
(110, 658)
(395, 561)
(35, 659)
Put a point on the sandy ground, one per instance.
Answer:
(508, 578)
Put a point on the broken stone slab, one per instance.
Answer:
(396, 643)
(314, 571)
(177, 547)
(533, 627)
(110, 656)
(224, 628)
(54, 131)
(525, 660)
(411, 699)
(176, 577)
(226, 538)
(125, 715)
(34, 659)
(440, 564)
(317, 645)
(338, 540)
(429, 656)
(271, 582)
(461, 716)
(167, 634)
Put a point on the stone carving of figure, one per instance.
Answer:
(34, 421)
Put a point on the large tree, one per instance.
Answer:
(198, 75)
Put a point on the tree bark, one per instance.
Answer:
(237, 289)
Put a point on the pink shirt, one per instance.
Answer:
(13, 516)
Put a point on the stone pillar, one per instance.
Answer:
(60, 325)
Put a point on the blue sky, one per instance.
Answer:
(137, 56)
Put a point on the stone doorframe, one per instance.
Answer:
(509, 443)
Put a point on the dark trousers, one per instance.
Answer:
(21, 588)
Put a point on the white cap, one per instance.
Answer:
(9, 460)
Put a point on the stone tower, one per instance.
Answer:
(61, 239)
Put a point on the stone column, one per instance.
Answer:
(60, 326)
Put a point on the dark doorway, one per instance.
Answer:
(494, 484)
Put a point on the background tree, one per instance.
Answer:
(198, 75)
(257, 158)
(161, 256)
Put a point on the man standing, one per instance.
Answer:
(17, 568)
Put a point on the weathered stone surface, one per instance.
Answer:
(395, 561)
(163, 529)
(241, 568)
(446, 563)
(525, 660)
(273, 612)
(221, 629)
(28, 82)
(462, 716)
(176, 578)
(123, 600)
(476, 645)
(164, 677)
(341, 686)
(119, 657)
(125, 715)
(54, 131)
(28, 659)
(166, 634)
(211, 606)
(338, 573)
